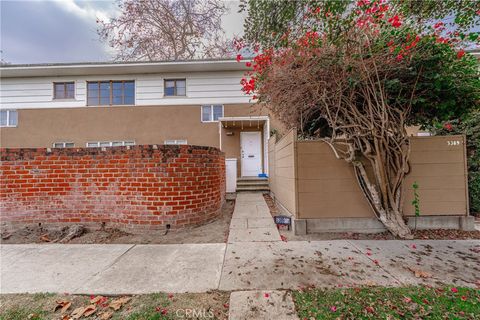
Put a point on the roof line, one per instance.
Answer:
(117, 63)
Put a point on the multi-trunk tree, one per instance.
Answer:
(356, 75)
(166, 30)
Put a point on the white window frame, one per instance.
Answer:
(110, 143)
(64, 144)
(8, 125)
(211, 112)
(176, 142)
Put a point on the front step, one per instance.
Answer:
(252, 184)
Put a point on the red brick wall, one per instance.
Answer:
(140, 186)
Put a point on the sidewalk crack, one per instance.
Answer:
(381, 267)
(107, 267)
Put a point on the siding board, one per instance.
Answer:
(202, 88)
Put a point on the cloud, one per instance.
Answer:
(86, 10)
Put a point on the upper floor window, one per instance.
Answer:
(175, 87)
(8, 118)
(97, 144)
(64, 90)
(101, 93)
(63, 144)
(212, 112)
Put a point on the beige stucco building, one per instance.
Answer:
(111, 104)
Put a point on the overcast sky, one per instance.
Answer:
(39, 31)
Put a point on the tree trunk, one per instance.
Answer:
(387, 209)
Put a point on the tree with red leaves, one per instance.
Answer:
(355, 79)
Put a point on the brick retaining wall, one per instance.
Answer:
(140, 186)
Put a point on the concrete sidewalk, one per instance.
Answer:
(254, 258)
(135, 269)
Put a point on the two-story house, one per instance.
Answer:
(116, 104)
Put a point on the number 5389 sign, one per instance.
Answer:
(453, 142)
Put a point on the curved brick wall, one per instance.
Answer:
(139, 186)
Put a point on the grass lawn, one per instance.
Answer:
(389, 303)
(157, 306)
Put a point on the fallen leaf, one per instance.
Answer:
(105, 315)
(370, 283)
(63, 305)
(370, 309)
(118, 303)
(77, 313)
(97, 299)
(89, 310)
(420, 273)
(66, 317)
(45, 238)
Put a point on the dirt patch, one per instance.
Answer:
(434, 234)
(210, 305)
(215, 231)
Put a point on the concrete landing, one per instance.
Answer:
(262, 305)
(251, 220)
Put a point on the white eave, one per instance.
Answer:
(112, 68)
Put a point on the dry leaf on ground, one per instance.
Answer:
(118, 303)
(63, 305)
(106, 315)
(77, 313)
(89, 310)
(84, 311)
(97, 299)
(45, 238)
(420, 273)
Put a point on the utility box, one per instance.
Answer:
(231, 174)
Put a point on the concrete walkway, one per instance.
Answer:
(253, 259)
(251, 220)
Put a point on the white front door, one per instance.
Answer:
(251, 153)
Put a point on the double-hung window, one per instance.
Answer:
(64, 90)
(8, 118)
(105, 93)
(175, 87)
(212, 112)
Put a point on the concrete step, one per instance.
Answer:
(252, 183)
(251, 179)
(253, 188)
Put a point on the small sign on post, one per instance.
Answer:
(283, 221)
